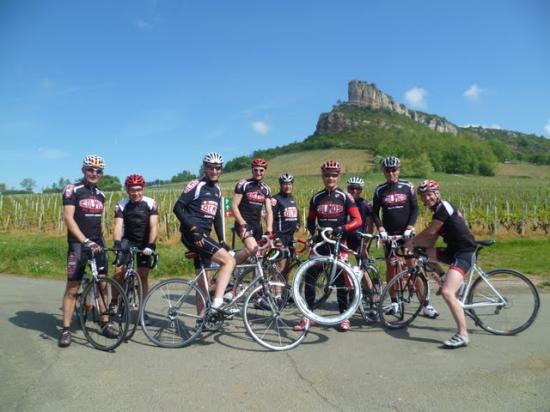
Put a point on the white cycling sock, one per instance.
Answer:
(217, 302)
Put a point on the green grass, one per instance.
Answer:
(45, 256)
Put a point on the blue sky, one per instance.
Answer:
(153, 85)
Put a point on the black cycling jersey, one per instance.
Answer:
(365, 211)
(454, 231)
(285, 215)
(331, 209)
(254, 192)
(135, 216)
(399, 206)
(199, 205)
(89, 202)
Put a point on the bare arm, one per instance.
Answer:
(72, 226)
(153, 228)
(429, 235)
(237, 197)
(117, 231)
(269, 215)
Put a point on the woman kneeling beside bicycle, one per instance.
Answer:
(448, 222)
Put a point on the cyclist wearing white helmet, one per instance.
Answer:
(397, 199)
(448, 222)
(83, 205)
(198, 208)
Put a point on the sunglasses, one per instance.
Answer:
(214, 167)
(258, 169)
(334, 175)
(392, 170)
(94, 170)
(350, 188)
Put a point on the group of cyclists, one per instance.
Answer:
(393, 211)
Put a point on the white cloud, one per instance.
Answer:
(547, 129)
(416, 98)
(142, 24)
(260, 127)
(474, 92)
(52, 154)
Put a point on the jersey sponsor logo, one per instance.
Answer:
(290, 212)
(190, 186)
(69, 190)
(240, 184)
(255, 197)
(329, 210)
(93, 206)
(394, 199)
(209, 207)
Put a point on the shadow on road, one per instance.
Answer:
(46, 323)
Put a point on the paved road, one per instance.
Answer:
(366, 369)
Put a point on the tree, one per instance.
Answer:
(57, 187)
(2, 187)
(110, 183)
(184, 176)
(28, 184)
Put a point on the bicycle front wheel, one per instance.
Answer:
(506, 304)
(270, 318)
(326, 301)
(368, 307)
(134, 293)
(402, 299)
(171, 309)
(104, 320)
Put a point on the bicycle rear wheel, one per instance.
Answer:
(321, 300)
(511, 310)
(103, 322)
(270, 320)
(171, 308)
(134, 293)
(368, 307)
(402, 299)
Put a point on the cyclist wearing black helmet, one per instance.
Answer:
(448, 222)
(397, 199)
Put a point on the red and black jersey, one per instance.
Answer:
(285, 215)
(399, 206)
(255, 193)
(455, 231)
(332, 209)
(199, 205)
(135, 216)
(89, 202)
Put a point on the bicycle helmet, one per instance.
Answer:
(331, 166)
(259, 163)
(286, 178)
(428, 186)
(356, 181)
(213, 158)
(391, 162)
(93, 161)
(134, 180)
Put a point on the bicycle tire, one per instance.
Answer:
(92, 316)
(171, 307)
(519, 309)
(323, 307)
(409, 300)
(270, 322)
(134, 292)
(368, 305)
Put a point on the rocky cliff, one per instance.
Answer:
(363, 94)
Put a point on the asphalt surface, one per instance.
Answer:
(364, 369)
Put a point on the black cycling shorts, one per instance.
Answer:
(123, 257)
(254, 231)
(288, 241)
(206, 252)
(77, 259)
(460, 261)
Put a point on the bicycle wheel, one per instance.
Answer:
(368, 307)
(171, 308)
(506, 306)
(324, 301)
(104, 322)
(402, 299)
(134, 293)
(270, 320)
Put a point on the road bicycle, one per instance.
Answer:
(179, 309)
(501, 301)
(104, 320)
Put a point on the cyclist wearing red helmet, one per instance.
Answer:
(136, 225)
(448, 222)
(83, 205)
(250, 196)
(330, 207)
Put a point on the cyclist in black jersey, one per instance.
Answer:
(397, 199)
(448, 222)
(330, 207)
(353, 240)
(250, 196)
(286, 218)
(198, 208)
(136, 225)
(83, 205)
